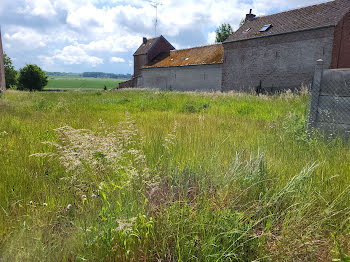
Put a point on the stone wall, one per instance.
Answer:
(277, 62)
(128, 84)
(187, 78)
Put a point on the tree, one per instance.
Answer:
(223, 32)
(10, 73)
(31, 77)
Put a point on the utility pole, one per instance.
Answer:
(2, 68)
(155, 5)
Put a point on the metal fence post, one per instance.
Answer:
(315, 93)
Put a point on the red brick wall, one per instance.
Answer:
(341, 45)
(161, 46)
(139, 62)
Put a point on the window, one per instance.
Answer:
(265, 28)
(247, 30)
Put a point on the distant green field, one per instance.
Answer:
(70, 83)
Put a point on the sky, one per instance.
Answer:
(102, 35)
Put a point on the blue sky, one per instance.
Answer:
(102, 35)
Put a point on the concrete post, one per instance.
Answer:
(2, 68)
(315, 93)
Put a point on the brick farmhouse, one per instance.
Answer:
(268, 53)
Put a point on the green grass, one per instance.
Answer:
(81, 83)
(167, 176)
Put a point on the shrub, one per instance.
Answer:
(31, 77)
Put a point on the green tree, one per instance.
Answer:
(10, 73)
(31, 77)
(223, 32)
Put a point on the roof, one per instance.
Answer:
(143, 49)
(203, 55)
(310, 17)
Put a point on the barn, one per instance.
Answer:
(269, 53)
(158, 65)
(193, 69)
(279, 51)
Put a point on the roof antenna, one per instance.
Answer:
(155, 5)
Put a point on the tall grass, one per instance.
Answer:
(162, 176)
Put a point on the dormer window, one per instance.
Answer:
(265, 28)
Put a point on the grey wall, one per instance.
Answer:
(187, 78)
(330, 105)
(279, 62)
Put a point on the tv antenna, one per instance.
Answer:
(155, 5)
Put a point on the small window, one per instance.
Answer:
(265, 28)
(247, 30)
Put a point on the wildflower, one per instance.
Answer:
(93, 195)
(31, 203)
(83, 197)
(45, 204)
(69, 207)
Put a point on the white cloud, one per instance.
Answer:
(73, 55)
(114, 44)
(117, 60)
(211, 37)
(42, 8)
(27, 38)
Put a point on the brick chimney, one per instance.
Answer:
(144, 40)
(250, 16)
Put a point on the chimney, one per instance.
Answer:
(144, 40)
(250, 16)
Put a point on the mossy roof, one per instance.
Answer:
(203, 55)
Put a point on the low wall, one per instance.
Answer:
(185, 78)
(330, 105)
(128, 84)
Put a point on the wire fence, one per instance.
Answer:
(330, 103)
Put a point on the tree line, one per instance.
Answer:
(105, 75)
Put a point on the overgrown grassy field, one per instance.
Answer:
(81, 83)
(165, 176)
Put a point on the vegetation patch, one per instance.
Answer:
(185, 177)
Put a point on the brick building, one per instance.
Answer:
(149, 49)
(279, 51)
(268, 53)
